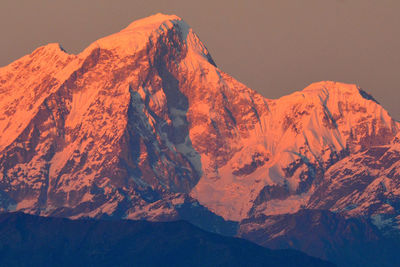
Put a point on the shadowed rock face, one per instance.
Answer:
(62, 242)
(346, 242)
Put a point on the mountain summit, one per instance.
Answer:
(105, 130)
(143, 125)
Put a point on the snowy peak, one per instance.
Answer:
(350, 91)
(114, 117)
(145, 34)
(331, 86)
(154, 22)
(338, 105)
(283, 154)
(49, 49)
(25, 84)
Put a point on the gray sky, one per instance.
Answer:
(273, 46)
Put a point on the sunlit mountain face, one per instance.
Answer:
(143, 125)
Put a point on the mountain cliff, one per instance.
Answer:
(142, 124)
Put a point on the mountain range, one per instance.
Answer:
(143, 125)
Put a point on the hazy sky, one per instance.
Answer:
(273, 46)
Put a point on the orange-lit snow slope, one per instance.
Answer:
(142, 122)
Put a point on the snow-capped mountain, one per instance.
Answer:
(143, 122)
